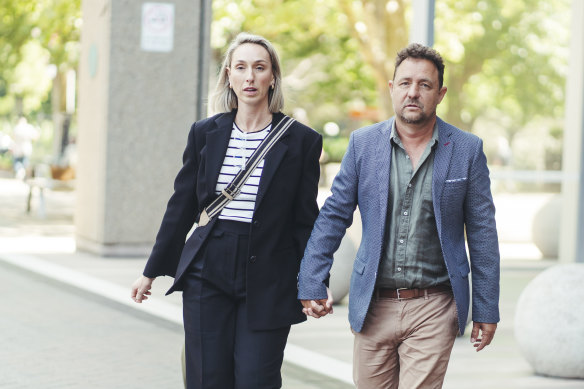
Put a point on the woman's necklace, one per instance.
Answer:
(242, 137)
(263, 125)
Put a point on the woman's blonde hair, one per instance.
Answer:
(224, 99)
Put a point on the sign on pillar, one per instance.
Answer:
(157, 27)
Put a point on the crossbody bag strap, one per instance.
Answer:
(254, 160)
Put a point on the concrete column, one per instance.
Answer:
(142, 78)
(572, 222)
(423, 30)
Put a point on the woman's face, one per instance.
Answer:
(250, 75)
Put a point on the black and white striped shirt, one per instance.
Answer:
(241, 147)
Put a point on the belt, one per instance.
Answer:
(403, 293)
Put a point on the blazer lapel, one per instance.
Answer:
(442, 160)
(272, 160)
(217, 142)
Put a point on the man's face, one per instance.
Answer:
(415, 91)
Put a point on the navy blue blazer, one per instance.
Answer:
(284, 215)
(462, 199)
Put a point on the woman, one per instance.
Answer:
(238, 272)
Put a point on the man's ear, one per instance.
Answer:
(442, 93)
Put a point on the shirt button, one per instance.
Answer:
(406, 213)
(399, 269)
(409, 185)
(401, 240)
(407, 157)
(253, 258)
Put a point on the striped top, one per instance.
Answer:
(241, 147)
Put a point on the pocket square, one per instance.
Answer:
(456, 179)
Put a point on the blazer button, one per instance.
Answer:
(252, 259)
(256, 223)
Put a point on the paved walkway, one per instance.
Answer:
(68, 320)
(58, 337)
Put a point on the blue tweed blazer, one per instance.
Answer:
(462, 199)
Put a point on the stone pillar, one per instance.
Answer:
(572, 222)
(142, 80)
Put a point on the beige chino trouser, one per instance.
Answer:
(405, 343)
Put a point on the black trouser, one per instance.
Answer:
(221, 351)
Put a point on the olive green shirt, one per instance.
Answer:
(412, 256)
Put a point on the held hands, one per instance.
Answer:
(141, 289)
(487, 332)
(318, 308)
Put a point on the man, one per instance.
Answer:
(420, 184)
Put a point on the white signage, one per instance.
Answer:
(157, 27)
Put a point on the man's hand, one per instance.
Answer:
(141, 289)
(318, 308)
(487, 333)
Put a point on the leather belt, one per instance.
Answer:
(402, 294)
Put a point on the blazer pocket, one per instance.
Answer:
(454, 190)
(359, 266)
(455, 184)
(456, 180)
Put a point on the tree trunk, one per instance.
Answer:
(384, 36)
(58, 108)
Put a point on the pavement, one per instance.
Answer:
(67, 320)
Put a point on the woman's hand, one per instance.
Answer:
(318, 308)
(141, 288)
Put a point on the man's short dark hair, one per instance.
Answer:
(418, 51)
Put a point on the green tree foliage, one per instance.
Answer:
(506, 66)
(381, 30)
(325, 74)
(15, 31)
(35, 34)
(505, 59)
